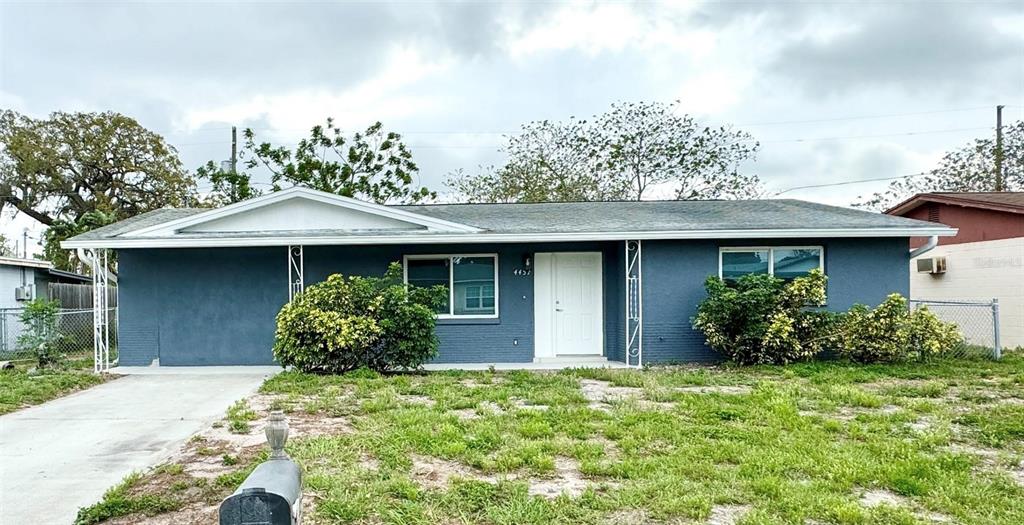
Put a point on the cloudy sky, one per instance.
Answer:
(834, 90)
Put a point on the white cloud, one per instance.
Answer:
(383, 96)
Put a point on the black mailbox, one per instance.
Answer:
(269, 496)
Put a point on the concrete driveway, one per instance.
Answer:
(64, 454)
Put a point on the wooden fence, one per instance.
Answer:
(75, 296)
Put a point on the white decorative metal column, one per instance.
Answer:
(296, 266)
(634, 304)
(98, 260)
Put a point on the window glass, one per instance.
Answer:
(736, 264)
(473, 285)
(790, 263)
(429, 272)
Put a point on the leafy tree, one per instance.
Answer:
(625, 153)
(6, 250)
(64, 229)
(374, 165)
(970, 168)
(57, 170)
(228, 186)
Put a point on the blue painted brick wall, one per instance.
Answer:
(217, 306)
(859, 271)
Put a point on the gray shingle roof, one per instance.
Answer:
(575, 217)
(144, 220)
(659, 216)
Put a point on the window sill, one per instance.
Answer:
(442, 321)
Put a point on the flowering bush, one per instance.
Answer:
(891, 332)
(763, 319)
(352, 322)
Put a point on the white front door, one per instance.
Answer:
(568, 304)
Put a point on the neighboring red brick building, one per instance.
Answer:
(983, 216)
(984, 261)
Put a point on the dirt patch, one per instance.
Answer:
(627, 517)
(523, 405)
(207, 458)
(921, 425)
(1018, 473)
(473, 383)
(876, 497)
(727, 514)
(485, 408)
(602, 391)
(436, 474)
(418, 400)
(192, 514)
(734, 390)
(566, 480)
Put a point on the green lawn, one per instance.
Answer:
(18, 389)
(802, 444)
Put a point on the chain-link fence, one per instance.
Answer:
(72, 337)
(978, 322)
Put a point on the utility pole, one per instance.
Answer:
(234, 149)
(999, 147)
(24, 243)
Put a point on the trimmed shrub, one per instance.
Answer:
(892, 332)
(763, 319)
(345, 323)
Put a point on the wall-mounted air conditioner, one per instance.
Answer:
(931, 265)
(23, 293)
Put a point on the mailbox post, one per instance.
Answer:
(272, 494)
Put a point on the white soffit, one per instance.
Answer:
(297, 209)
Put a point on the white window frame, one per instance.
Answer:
(771, 255)
(451, 281)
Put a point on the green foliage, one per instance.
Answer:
(618, 155)
(58, 169)
(64, 229)
(374, 165)
(119, 501)
(892, 332)
(6, 249)
(18, 389)
(762, 319)
(344, 323)
(228, 186)
(41, 336)
(239, 415)
(970, 168)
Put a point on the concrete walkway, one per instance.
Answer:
(64, 454)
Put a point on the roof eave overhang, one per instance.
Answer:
(917, 201)
(478, 238)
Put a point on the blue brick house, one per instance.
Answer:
(543, 283)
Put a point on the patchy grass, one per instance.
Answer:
(238, 417)
(809, 443)
(18, 389)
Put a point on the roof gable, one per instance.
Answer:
(300, 209)
(1005, 201)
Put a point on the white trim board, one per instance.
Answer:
(476, 238)
(175, 226)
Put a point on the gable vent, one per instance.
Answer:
(933, 213)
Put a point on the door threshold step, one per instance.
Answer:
(572, 359)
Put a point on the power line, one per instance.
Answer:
(849, 182)
(771, 123)
(862, 117)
